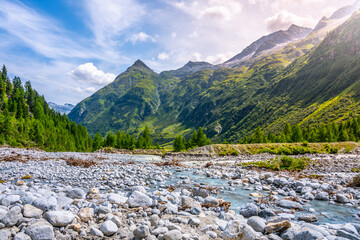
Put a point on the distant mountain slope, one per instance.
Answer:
(315, 79)
(66, 108)
(294, 33)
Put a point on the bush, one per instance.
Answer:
(283, 163)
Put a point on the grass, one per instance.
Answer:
(284, 148)
(282, 163)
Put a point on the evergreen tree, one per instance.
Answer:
(97, 142)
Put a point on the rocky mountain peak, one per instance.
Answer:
(140, 65)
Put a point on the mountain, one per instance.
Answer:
(66, 108)
(268, 42)
(192, 67)
(307, 81)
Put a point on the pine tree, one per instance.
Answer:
(97, 142)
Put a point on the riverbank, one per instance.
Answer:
(145, 197)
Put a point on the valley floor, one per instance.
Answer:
(48, 195)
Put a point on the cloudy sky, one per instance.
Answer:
(69, 49)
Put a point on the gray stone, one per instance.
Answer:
(265, 213)
(257, 223)
(64, 201)
(173, 235)
(117, 198)
(340, 198)
(289, 204)
(200, 192)
(21, 236)
(96, 232)
(154, 220)
(75, 193)
(249, 210)
(194, 221)
(47, 203)
(32, 212)
(139, 199)
(159, 230)
(308, 218)
(211, 234)
(10, 199)
(347, 235)
(322, 196)
(309, 196)
(12, 217)
(308, 235)
(40, 230)
(3, 212)
(141, 232)
(5, 234)
(59, 218)
(211, 201)
(235, 228)
(108, 228)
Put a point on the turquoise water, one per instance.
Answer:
(325, 211)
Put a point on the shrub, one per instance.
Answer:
(283, 163)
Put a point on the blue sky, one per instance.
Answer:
(69, 49)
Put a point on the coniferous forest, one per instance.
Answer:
(26, 120)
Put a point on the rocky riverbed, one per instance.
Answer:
(46, 196)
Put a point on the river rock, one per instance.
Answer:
(277, 226)
(340, 198)
(289, 204)
(59, 218)
(5, 234)
(85, 214)
(10, 199)
(200, 192)
(141, 232)
(96, 232)
(32, 212)
(173, 235)
(154, 220)
(21, 236)
(322, 196)
(257, 223)
(235, 229)
(348, 235)
(249, 210)
(108, 228)
(159, 230)
(308, 235)
(47, 203)
(211, 201)
(75, 193)
(308, 218)
(12, 217)
(139, 199)
(40, 230)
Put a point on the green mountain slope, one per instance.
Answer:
(306, 82)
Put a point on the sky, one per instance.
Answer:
(70, 49)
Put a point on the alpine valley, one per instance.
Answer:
(298, 76)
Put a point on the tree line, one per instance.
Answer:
(347, 130)
(198, 139)
(124, 140)
(26, 120)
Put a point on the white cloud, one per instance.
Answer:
(163, 56)
(90, 74)
(210, 9)
(284, 19)
(109, 18)
(84, 90)
(141, 37)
